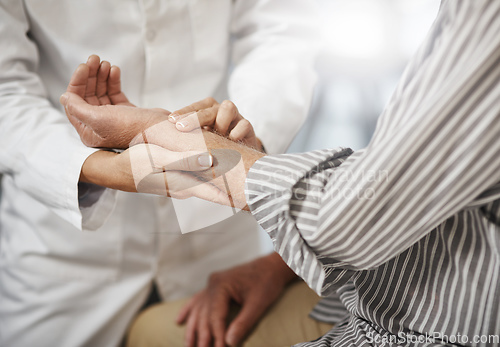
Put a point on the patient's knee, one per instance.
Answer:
(156, 327)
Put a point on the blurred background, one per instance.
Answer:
(365, 46)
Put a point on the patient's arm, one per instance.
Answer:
(223, 151)
(151, 169)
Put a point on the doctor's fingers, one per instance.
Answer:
(93, 62)
(78, 108)
(196, 106)
(78, 82)
(156, 170)
(243, 130)
(227, 117)
(195, 120)
(222, 118)
(102, 83)
(115, 93)
(87, 135)
(161, 159)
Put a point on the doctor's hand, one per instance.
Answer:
(151, 169)
(98, 83)
(109, 126)
(99, 110)
(255, 286)
(223, 118)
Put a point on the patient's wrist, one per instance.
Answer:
(108, 169)
(94, 169)
(150, 129)
(282, 272)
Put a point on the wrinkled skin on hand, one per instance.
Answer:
(223, 118)
(109, 126)
(255, 286)
(113, 121)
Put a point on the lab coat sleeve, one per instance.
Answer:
(38, 146)
(274, 50)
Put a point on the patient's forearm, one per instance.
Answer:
(224, 151)
(224, 163)
(248, 154)
(102, 168)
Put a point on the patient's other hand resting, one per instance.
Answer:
(254, 286)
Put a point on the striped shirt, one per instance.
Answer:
(406, 231)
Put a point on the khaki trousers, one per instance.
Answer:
(286, 323)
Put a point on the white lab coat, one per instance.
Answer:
(74, 272)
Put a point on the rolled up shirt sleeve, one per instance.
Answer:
(284, 194)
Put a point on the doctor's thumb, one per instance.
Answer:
(63, 100)
(187, 161)
(76, 106)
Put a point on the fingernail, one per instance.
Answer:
(63, 99)
(205, 160)
(173, 117)
(181, 125)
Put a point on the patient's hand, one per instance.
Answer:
(100, 111)
(255, 286)
(223, 118)
(147, 168)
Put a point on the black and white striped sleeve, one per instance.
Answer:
(436, 148)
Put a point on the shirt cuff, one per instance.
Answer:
(96, 204)
(51, 175)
